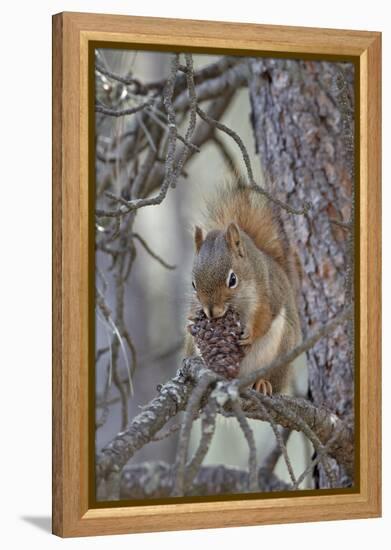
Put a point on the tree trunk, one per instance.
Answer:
(299, 132)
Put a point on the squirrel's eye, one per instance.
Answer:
(232, 280)
(193, 285)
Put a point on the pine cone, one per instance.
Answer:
(218, 342)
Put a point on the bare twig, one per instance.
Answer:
(280, 443)
(126, 80)
(184, 436)
(233, 77)
(150, 177)
(271, 460)
(311, 466)
(202, 134)
(208, 425)
(296, 413)
(170, 173)
(172, 398)
(143, 173)
(113, 365)
(309, 433)
(147, 134)
(167, 433)
(100, 108)
(226, 154)
(247, 162)
(212, 70)
(104, 402)
(248, 434)
(151, 253)
(192, 119)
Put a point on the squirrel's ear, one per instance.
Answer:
(198, 238)
(234, 241)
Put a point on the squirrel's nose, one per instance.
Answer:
(214, 312)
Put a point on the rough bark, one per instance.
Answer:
(299, 133)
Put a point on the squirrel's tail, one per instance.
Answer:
(254, 214)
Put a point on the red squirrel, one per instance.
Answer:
(243, 261)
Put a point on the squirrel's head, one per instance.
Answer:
(219, 268)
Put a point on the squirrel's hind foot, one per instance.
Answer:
(263, 386)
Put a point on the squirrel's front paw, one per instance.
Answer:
(263, 386)
(246, 338)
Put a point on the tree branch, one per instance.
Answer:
(184, 436)
(169, 171)
(172, 398)
(288, 412)
(233, 78)
(201, 135)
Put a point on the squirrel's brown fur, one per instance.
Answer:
(242, 234)
(254, 214)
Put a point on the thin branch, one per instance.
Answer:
(188, 144)
(184, 436)
(143, 173)
(170, 156)
(104, 402)
(167, 433)
(280, 443)
(202, 134)
(247, 162)
(208, 72)
(208, 425)
(126, 80)
(101, 352)
(152, 173)
(248, 434)
(272, 458)
(192, 116)
(100, 108)
(151, 253)
(172, 398)
(214, 69)
(288, 412)
(226, 154)
(147, 134)
(311, 466)
(233, 77)
(309, 433)
(113, 359)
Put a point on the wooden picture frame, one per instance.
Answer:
(72, 282)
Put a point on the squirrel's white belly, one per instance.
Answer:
(265, 349)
